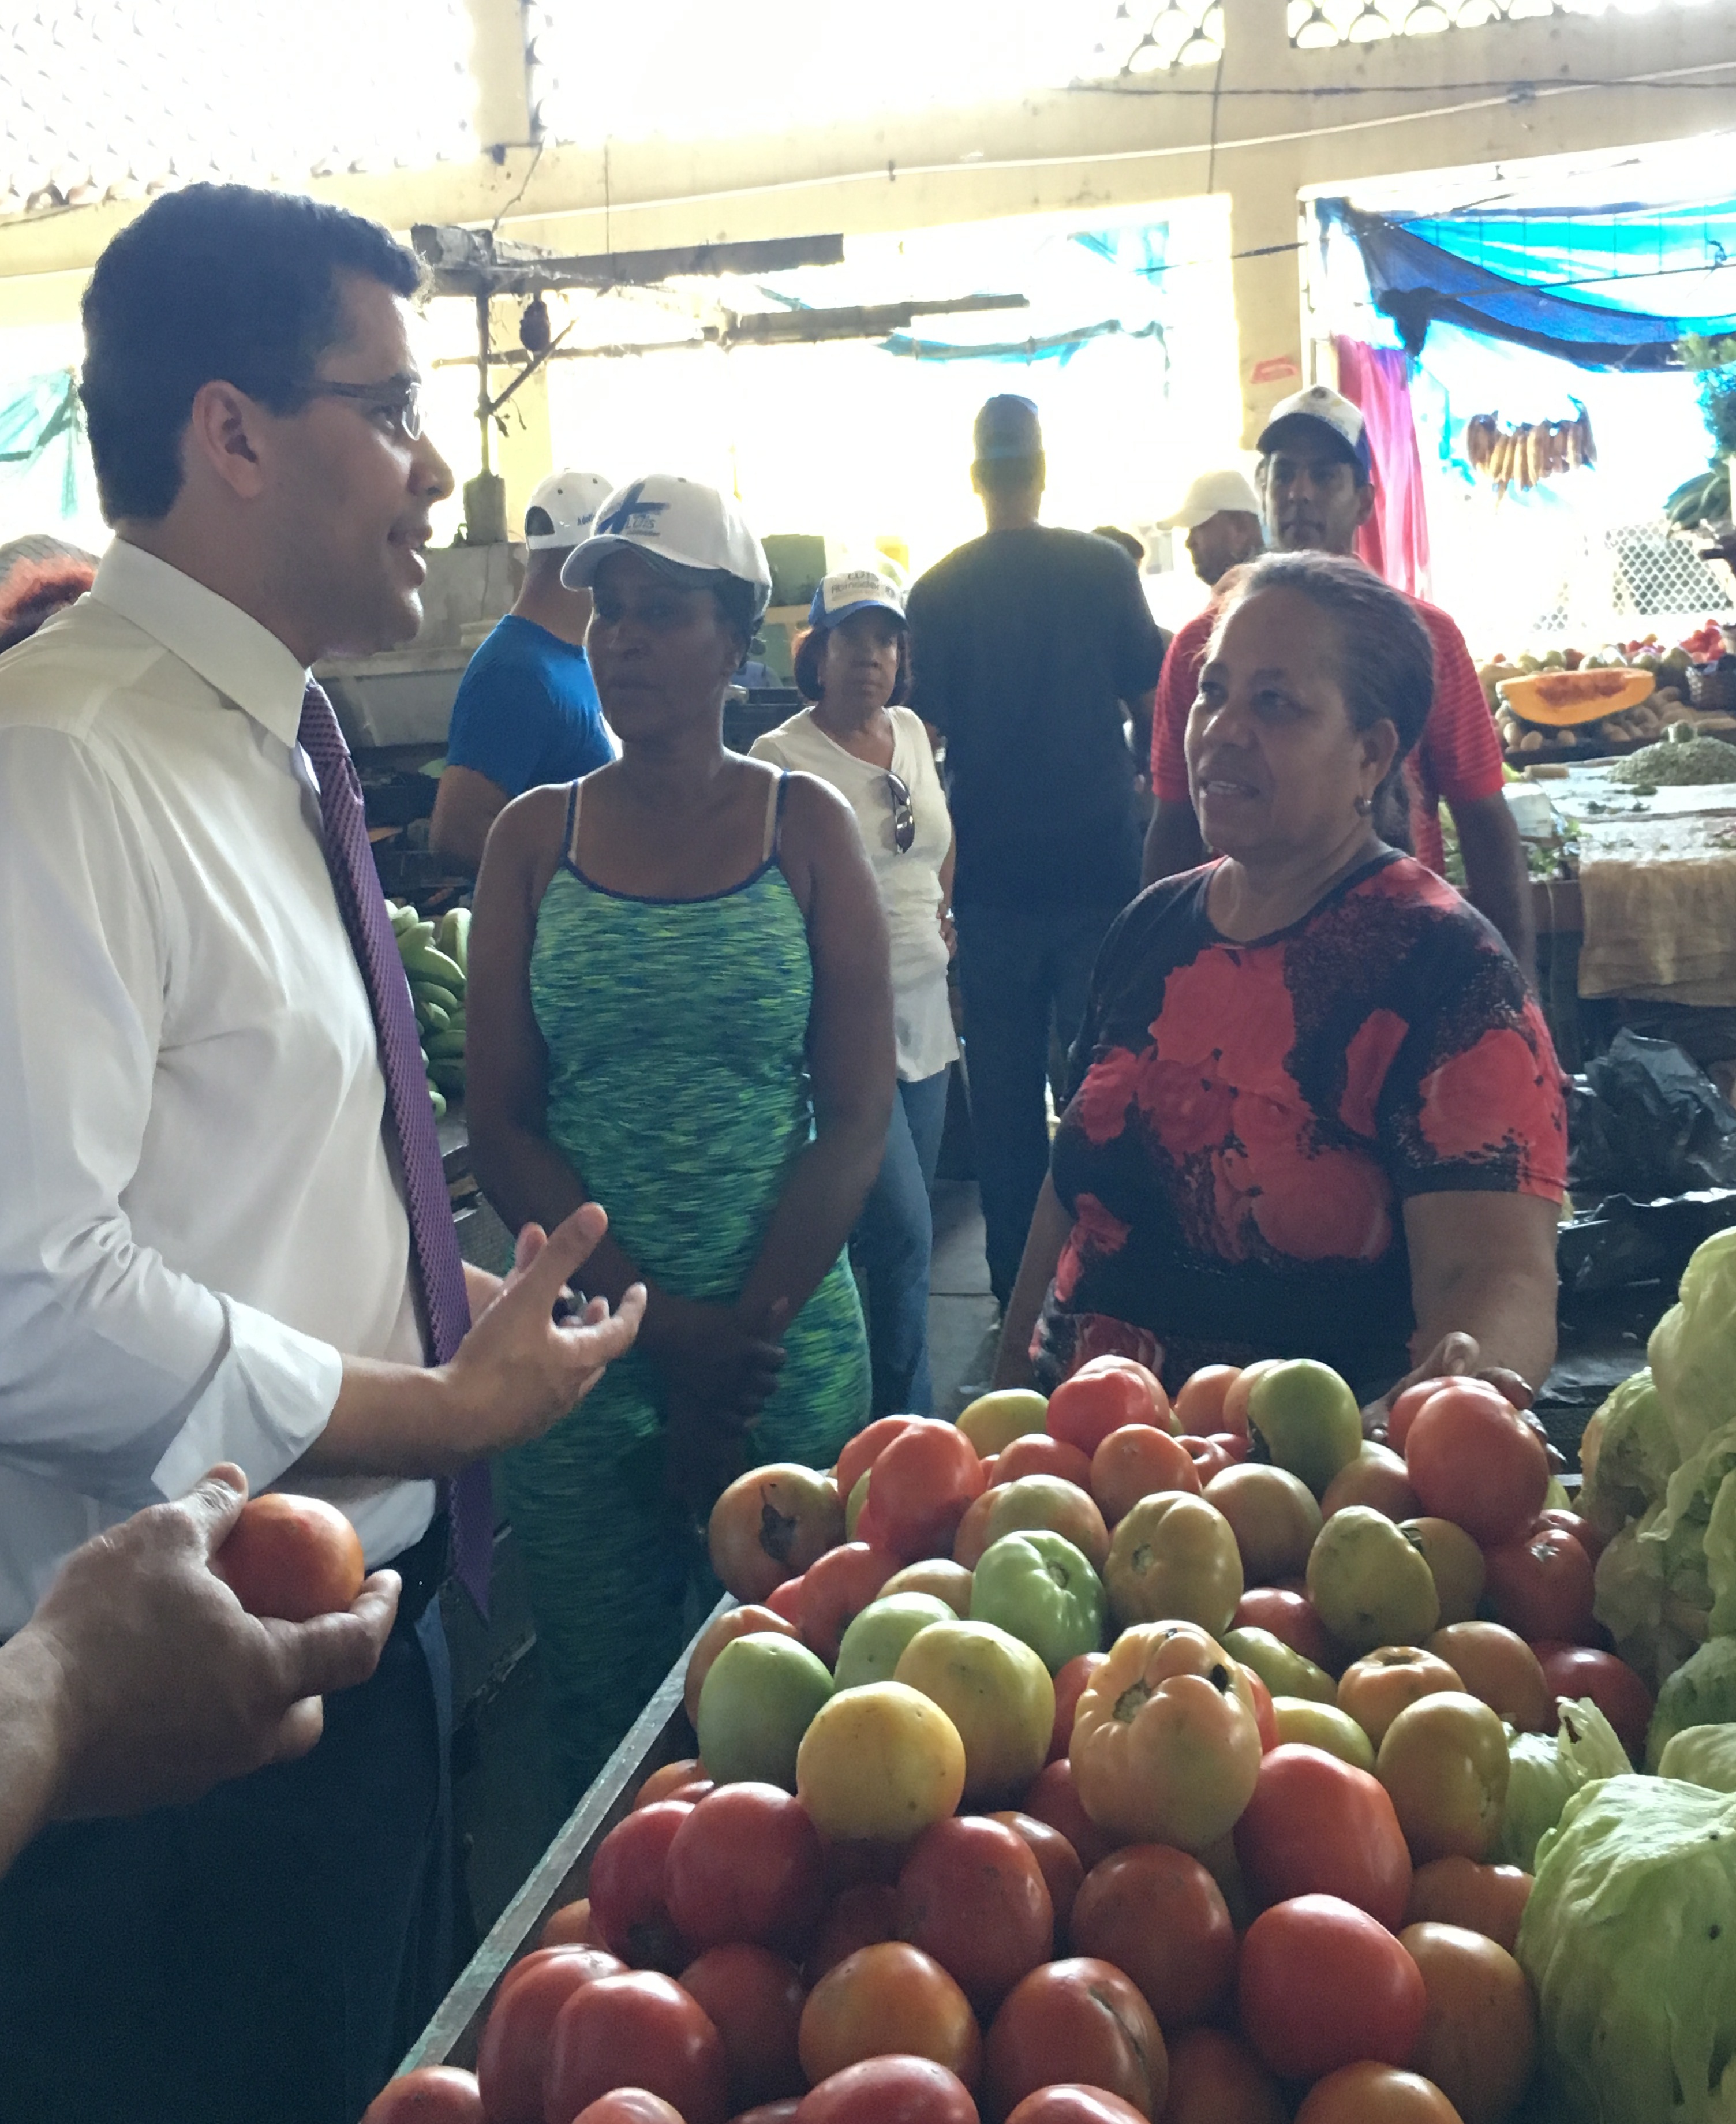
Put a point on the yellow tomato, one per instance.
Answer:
(1174, 1559)
(949, 1581)
(993, 1421)
(881, 1762)
(1445, 1766)
(997, 1695)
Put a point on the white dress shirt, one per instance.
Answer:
(198, 1211)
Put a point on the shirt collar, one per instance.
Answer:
(246, 662)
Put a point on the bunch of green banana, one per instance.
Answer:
(436, 962)
(1704, 499)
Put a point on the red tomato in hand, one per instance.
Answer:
(1076, 2020)
(640, 2030)
(754, 2001)
(1037, 1454)
(291, 1557)
(972, 1895)
(432, 2095)
(1157, 1916)
(1541, 1587)
(1316, 1825)
(837, 1589)
(1321, 1983)
(1069, 1687)
(1472, 1459)
(1576, 1670)
(629, 1907)
(515, 2038)
(890, 2090)
(919, 1489)
(865, 1448)
(747, 1864)
(1403, 1413)
(1101, 1396)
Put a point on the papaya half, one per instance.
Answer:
(1557, 700)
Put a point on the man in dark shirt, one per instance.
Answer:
(1025, 644)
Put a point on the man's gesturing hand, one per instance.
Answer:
(160, 1685)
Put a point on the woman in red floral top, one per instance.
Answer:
(1314, 1110)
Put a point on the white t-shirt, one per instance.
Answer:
(910, 884)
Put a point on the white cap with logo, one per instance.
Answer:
(561, 511)
(1211, 495)
(673, 523)
(1328, 409)
(853, 591)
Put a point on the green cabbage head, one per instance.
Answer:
(1692, 1352)
(1702, 1692)
(1547, 1771)
(1630, 1942)
(1702, 1754)
(1629, 1453)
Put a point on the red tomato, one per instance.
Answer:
(972, 1536)
(1473, 1459)
(1316, 1825)
(1215, 2079)
(747, 1864)
(770, 2112)
(1138, 1461)
(515, 2037)
(1208, 1457)
(1069, 1687)
(1541, 1587)
(865, 1448)
(1404, 1411)
(972, 1895)
(888, 2001)
(1199, 1404)
(1237, 1444)
(1157, 1915)
(1056, 1858)
(890, 2090)
(1037, 1454)
(786, 1601)
(1265, 1713)
(919, 1489)
(1365, 2093)
(1077, 2020)
(1074, 2104)
(1322, 1985)
(629, 2105)
(1292, 1617)
(1575, 1671)
(1101, 1396)
(1052, 1797)
(754, 2001)
(432, 2095)
(639, 2030)
(837, 1588)
(1581, 1530)
(628, 1906)
(863, 1915)
(291, 1558)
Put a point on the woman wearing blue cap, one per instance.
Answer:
(852, 666)
(680, 1007)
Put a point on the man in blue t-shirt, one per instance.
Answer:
(527, 710)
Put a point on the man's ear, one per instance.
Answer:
(1365, 501)
(223, 436)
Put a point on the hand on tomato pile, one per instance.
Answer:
(153, 1683)
(1455, 1357)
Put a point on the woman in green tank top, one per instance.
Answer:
(680, 1008)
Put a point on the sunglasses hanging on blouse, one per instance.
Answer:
(904, 814)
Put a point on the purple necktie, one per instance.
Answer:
(434, 1241)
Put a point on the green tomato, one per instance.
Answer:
(1038, 1588)
(1319, 1726)
(758, 1701)
(874, 1642)
(1284, 1671)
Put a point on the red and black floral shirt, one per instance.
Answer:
(1245, 1121)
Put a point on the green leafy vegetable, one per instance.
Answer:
(1702, 1755)
(1692, 1350)
(1547, 1771)
(1695, 1532)
(1630, 1941)
(1701, 1692)
(1629, 1453)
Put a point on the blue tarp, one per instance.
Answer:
(1635, 258)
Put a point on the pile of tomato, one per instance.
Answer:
(1076, 1765)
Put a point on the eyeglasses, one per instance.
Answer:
(400, 401)
(903, 815)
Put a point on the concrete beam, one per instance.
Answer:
(500, 70)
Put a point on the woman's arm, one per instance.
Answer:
(850, 1052)
(1482, 1266)
(1049, 1226)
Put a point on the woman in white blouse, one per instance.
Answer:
(853, 666)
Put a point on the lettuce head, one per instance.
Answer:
(1702, 1755)
(1546, 1773)
(1630, 1942)
(1694, 1534)
(1692, 1350)
(1629, 1453)
(1701, 1692)
(1654, 1630)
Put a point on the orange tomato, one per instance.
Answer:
(865, 1448)
(837, 1589)
(1045, 1501)
(1235, 1395)
(570, 1926)
(886, 2000)
(919, 1488)
(1376, 2094)
(1199, 1404)
(1499, 1667)
(947, 1580)
(1479, 2042)
(1376, 1477)
(1473, 1459)
(1138, 1461)
(668, 1783)
(720, 1631)
(971, 1537)
(770, 1525)
(291, 1557)
(1039, 1454)
(1489, 1900)
(785, 1601)
(1373, 1689)
(1102, 1395)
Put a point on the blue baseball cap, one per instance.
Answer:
(1007, 428)
(853, 591)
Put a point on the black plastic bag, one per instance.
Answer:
(1623, 1241)
(1643, 1120)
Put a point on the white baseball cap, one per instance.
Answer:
(1331, 410)
(853, 591)
(560, 512)
(1211, 495)
(673, 523)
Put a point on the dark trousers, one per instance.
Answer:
(1024, 974)
(263, 1956)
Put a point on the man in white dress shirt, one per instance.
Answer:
(204, 1248)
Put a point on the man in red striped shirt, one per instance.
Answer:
(1316, 480)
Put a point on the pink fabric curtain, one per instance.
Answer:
(1395, 540)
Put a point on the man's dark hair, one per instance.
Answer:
(217, 282)
(1385, 659)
